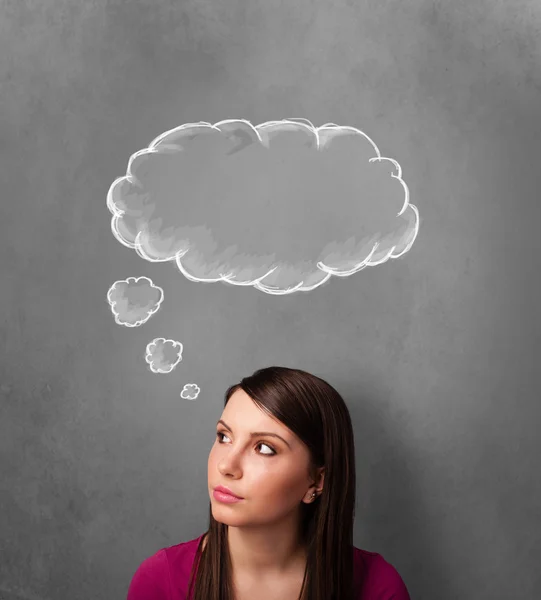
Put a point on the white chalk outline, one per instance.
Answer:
(197, 392)
(129, 280)
(148, 354)
(155, 146)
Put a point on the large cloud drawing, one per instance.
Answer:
(281, 206)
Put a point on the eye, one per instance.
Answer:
(219, 435)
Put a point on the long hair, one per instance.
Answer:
(314, 411)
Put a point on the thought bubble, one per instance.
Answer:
(190, 391)
(281, 206)
(163, 355)
(134, 300)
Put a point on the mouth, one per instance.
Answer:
(225, 494)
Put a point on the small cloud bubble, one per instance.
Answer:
(134, 300)
(163, 355)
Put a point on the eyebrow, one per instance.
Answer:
(256, 433)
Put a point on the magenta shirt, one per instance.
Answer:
(166, 575)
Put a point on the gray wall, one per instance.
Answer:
(436, 353)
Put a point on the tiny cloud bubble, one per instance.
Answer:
(190, 391)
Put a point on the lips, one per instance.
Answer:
(224, 490)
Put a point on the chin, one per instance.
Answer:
(220, 515)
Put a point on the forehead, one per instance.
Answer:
(242, 413)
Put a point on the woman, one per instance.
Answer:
(285, 449)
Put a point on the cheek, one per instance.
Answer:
(267, 478)
(212, 460)
(282, 484)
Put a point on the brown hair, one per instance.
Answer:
(315, 412)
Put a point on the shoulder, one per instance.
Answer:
(381, 579)
(164, 573)
(150, 579)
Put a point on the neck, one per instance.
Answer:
(263, 553)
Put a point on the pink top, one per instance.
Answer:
(166, 575)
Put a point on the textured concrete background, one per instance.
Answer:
(101, 462)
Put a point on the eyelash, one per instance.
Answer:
(219, 433)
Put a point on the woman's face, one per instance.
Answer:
(270, 474)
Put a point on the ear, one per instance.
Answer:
(319, 479)
(317, 485)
